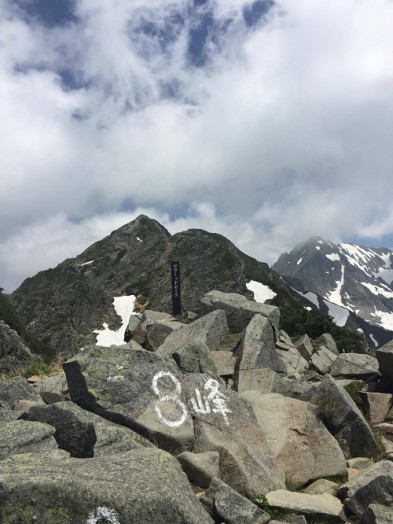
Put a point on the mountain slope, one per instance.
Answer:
(353, 278)
(65, 304)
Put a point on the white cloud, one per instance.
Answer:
(283, 134)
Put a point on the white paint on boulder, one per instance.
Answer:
(261, 292)
(124, 307)
(102, 512)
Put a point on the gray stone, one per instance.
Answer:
(194, 357)
(240, 311)
(373, 485)
(225, 423)
(376, 406)
(17, 388)
(321, 486)
(305, 347)
(231, 507)
(343, 418)
(84, 434)
(359, 463)
(284, 341)
(224, 362)
(385, 359)
(52, 389)
(377, 514)
(138, 389)
(208, 329)
(20, 436)
(354, 365)
(141, 486)
(230, 342)
(200, 468)
(158, 332)
(323, 505)
(302, 445)
(257, 351)
(328, 341)
(293, 363)
(323, 359)
(268, 381)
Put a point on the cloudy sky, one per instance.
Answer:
(267, 121)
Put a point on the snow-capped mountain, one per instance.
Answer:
(344, 280)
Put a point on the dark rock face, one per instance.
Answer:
(67, 303)
(13, 351)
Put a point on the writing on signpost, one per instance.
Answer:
(176, 298)
(213, 401)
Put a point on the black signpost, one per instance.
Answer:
(176, 300)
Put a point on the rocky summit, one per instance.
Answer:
(350, 282)
(219, 415)
(226, 420)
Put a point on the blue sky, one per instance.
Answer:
(268, 122)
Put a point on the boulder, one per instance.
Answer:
(230, 507)
(376, 406)
(25, 437)
(158, 332)
(321, 486)
(230, 342)
(328, 341)
(84, 434)
(305, 347)
(322, 505)
(141, 486)
(293, 363)
(385, 360)
(194, 357)
(268, 381)
(257, 351)
(377, 514)
(354, 365)
(209, 329)
(303, 447)
(138, 389)
(342, 418)
(323, 359)
(373, 485)
(52, 389)
(224, 362)
(18, 388)
(240, 311)
(225, 423)
(200, 468)
(284, 341)
(359, 463)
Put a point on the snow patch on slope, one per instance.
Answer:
(377, 290)
(261, 292)
(333, 257)
(124, 307)
(335, 295)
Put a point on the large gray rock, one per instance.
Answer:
(373, 485)
(14, 353)
(385, 359)
(194, 357)
(224, 362)
(305, 347)
(159, 331)
(25, 437)
(257, 351)
(209, 329)
(268, 381)
(328, 341)
(52, 389)
(354, 365)
(376, 406)
(323, 359)
(240, 311)
(231, 507)
(304, 448)
(200, 468)
(294, 363)
(343, 418)
(225, 423)
(18, 388)
(322, 505)
(377, 514)
(138, 389)
(84, 434)
(143, 486)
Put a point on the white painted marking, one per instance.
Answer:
(109, 515)
(169, 398)
(218, 399)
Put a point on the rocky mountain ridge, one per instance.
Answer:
(346, 280)
(229, 399)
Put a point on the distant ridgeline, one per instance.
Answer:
(63, 306)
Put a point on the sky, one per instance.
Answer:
(268, 121)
